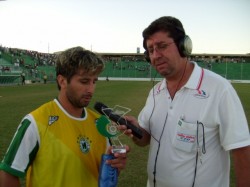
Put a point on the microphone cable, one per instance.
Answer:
(158, 141)
(203, 150)
(165, 121)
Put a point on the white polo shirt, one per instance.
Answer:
(206, 100)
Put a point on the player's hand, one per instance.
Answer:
(120, 159)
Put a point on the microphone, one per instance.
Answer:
(104, 110)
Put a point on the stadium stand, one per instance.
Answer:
(36, 66)
(8, 73)
(32, 64)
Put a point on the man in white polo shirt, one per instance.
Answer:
(192, 119)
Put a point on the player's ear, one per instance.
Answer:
(62, 81)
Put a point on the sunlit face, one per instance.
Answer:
(80, 89)
(163, 53)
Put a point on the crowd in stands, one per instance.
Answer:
(125, 58)
(18, 57)
(4, 68)
(19, 61)
(219, 59)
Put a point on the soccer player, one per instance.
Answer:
(58, 143)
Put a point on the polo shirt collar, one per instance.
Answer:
(196, 77)
(193, 81)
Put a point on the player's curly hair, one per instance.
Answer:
(70, 61)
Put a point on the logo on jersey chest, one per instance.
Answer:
(84, 143)
(201, 94)
(53, 119)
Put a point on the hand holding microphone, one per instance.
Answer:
(103, 109)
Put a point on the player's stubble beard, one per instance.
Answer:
(78, 101)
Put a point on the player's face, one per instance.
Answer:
(163, 53)
(80, 89)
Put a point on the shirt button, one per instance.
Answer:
(171, 107)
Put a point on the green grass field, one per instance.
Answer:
(17, 101)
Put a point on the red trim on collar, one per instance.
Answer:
(201, 78)
(158, 89)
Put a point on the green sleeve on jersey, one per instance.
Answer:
(11, 171)
(17, 140)
(9, 157)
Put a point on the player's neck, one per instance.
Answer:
(73, 111)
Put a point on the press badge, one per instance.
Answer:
(185, 138)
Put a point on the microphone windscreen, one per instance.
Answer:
(99, 107)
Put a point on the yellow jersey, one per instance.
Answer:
(56, 149)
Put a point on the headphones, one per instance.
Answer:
(185, 47)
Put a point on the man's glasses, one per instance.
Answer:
(160, 47)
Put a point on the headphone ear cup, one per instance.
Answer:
(185, 46)
(146, 55)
